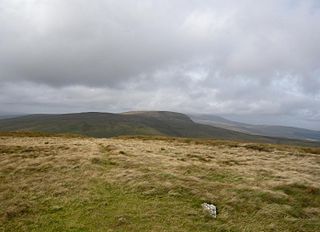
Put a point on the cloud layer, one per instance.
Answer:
(223, 57)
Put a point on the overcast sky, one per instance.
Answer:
(251, 60)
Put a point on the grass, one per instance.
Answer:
(230, 143)
(113, 208)
(103, 125)
(39, 134)
(146, 184)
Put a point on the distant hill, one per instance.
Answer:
(4, 116)
(161, 123)
(265, 130)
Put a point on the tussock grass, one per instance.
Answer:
(155, 184)
(216, 142)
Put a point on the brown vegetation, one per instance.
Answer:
(155, 184)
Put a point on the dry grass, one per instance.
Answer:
(158, 184)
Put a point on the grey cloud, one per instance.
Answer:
(227, 57)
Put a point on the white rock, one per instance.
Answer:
(210, 209)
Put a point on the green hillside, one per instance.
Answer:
(130, 123)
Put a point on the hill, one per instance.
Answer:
(5, 116)
(264, 130)
(104, 125)
(147, 184)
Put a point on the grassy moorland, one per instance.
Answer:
(69, 183)
(150, 123)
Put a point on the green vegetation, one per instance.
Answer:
(147, 184)
(102, 125)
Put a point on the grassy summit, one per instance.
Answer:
(149, 184)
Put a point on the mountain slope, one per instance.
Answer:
(264, 130)
(5, 116)
(129, 123)
(108, 124)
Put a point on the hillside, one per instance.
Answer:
(107, 124)
(147, 184)
(264, 130)
(5, 116)
(130, 123)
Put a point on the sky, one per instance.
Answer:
(248, 60)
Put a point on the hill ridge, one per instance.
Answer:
(258, 129)
(103, 124)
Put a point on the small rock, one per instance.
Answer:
(210, 209)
